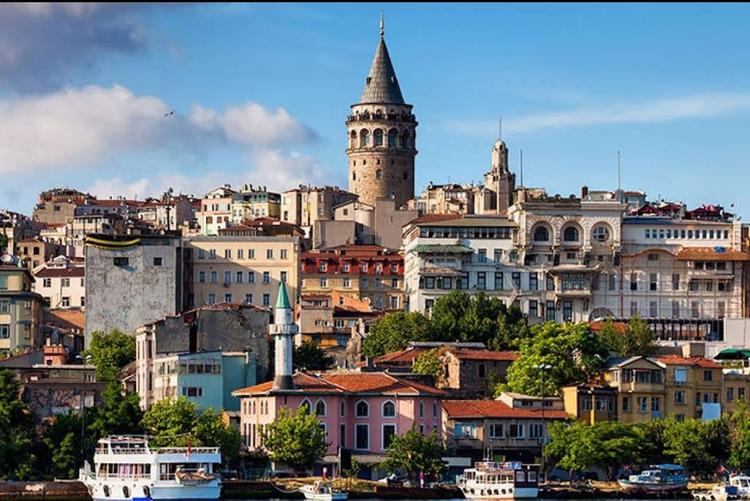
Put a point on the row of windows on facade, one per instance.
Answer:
(378, 175)
(642, 403)
(240, 254)
(482, 232)
(361, 408)
(188, 367)
(125, 261)
(64, 301)
(238, 277)
(656, 376)
(6, 303)
(686, 234)
(499, 430)
(229, 298)
(363, 267)
(599, 233)
(346, 283)
(378, 136)
(64, 282)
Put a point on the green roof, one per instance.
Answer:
(732, 353)
(282, 301)
(443, 249)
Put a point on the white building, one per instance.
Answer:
(61, 282)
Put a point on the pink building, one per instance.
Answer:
(361, 412)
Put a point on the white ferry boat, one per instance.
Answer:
(322, 490)
(127, 469)
(489, 481)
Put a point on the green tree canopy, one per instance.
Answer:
(697, 445)
(738, 423)
(309, 356)
(16, 431)
(110, 352)
(428, 363)
(295, 439)
(412, 452)
(636, 339)
(178, 422)
(394, 332)
(556, 355)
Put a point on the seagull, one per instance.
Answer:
(170, 113)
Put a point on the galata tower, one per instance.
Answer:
(382, 136)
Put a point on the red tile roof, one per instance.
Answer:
(710, 254)
(464, 354)
(698, 361)
(72, 319)
(75, 271)
(435, 218)
(478, 409)
(619, 326)
(405, 357)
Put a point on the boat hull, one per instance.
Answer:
(145, 491)
(628, 486)
(502, 493)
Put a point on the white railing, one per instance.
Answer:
(159, 450)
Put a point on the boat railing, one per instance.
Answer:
(159, 450)
(125, 475)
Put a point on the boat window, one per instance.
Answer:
(520, 476)
(106, 490)
(126, 492)
(532, 476)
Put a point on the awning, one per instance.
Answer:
(732, 354)
(442, 249)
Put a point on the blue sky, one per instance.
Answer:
(261, 92)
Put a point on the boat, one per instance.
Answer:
(126, 468)
(490, 480)
(659, 478)
(742, 483)
(322, 490)
(720, 492)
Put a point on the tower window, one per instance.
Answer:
(354, 176)
(377, 161)
(392, 138)
(378, 174)
(406, 175)
(378, 137)
(353, 139)
(364, 137)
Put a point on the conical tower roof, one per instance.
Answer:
(282, 301)
(381, 85)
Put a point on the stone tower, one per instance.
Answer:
(381, 136)
(283, 331)
(500, 178)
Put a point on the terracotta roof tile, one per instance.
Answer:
(75, 271)
(464, 354)
(710, 254)
(698, 361)
(457, 409)
(67, 319)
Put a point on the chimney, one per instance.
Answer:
(584, 191)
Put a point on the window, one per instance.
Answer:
(389, 431)
(482, 255)
(4, 306)
(533, 281)
(549, 311)
(481, 280)
(516, 279)
(600, 234)
(239, 277)
(266, 300)
(212, 253)
(266, 277)
(541, 234)
(626, 404)
(251, 253)
(535, 430)
(362, 436)
(708, 375)
(633, 281)
(434, 409)
(550, 282)
(497, 430)
(652, 307)
(248, 299)
(211, 298)
(695, 309)
(642, 404)
(227, 277)
(533, 308)
(653, 281)
(320, 408)
(269, 253)
(499, 281)
(567, 311)
(675, 281)
(284, 253)
(4, 331)
(515, 430)
(47, 282)
(740, 393)
(65, 302)
(679, 397)
(192, 391)
(570, 234)
(282, 276)
(653, 256)
(655, 404)
(324, 282)
(362, 409)
(498, 253)
(214, 277)
(228, 298)
(429, 282)
(227, 253)
(121, 261)
(389, 409)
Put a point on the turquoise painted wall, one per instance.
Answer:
(217, 388)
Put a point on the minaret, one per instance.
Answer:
(283, 330)
(381, 136)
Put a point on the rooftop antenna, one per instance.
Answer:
(618, 171)
(521, 167)
(500, 129)
(382, 25)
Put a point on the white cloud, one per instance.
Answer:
(281, 171)
(652, 111)
(80, 126)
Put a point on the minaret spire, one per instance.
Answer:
(283, 330)
(382, 25)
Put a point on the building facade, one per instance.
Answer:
(216, 210)
(252, 202)
(243, 270)
(62, 283)
(21, 310)
(381, 134)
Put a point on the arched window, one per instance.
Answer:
(354, 175)
(364, 137)
(389, 409)
(320, 408)
(362, 409)
(304, 404)
(353, 140)
(378, 174)
(392, 138)
(405, 139)
(570, 234)
(406, 175)
(600, 233)
(342, 409)
(378, 137)
(541, 234)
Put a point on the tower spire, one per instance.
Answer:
(500, 129)
(382, 24)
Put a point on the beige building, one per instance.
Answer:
(57, 206)
(21, 310)
(253, 202)
(245, 270)
(216, 210)
(359, 223)
(306, 205)
(381, 136)
(61, 281)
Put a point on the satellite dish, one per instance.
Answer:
(6, 259)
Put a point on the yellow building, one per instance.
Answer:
(690, 383)
(591, 403)
(736, 387)
(20, 310)
(235, 269)
(640, 385)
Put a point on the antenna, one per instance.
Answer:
(500, 129)
(618, 171)
(382, 24)
(521, 167)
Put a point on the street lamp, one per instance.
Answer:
(543, 368)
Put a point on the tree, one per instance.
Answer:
(110, 352)
(309, 356)
(636, 339)
(59, 448)
(119, 414)
(738, 423)
(697, 445)
(573, 353)
(16, 431)
(394, 331)
(295, 439)
(178, 423)
(428, 363)
(413, 453)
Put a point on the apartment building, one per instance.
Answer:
(306, 205)
(328, 319)
(365, 272)
(239, 269)
(251, 202)
(62, 283)
(21, 309)
(216, 210)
